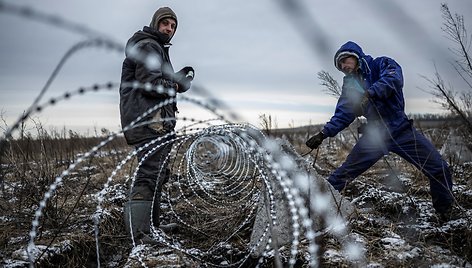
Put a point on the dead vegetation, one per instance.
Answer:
(396, 222)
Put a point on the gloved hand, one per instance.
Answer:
(184, 78)
(315, 141)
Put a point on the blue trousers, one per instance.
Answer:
(409, 144)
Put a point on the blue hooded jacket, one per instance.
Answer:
(383, 80)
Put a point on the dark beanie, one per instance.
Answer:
(162, 13)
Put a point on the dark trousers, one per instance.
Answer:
(152, 173)
(408, 144)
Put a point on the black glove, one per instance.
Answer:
(184, 78)
(315, 141)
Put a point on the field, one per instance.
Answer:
(212, 197)
(236, 196)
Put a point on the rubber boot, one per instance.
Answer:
(137, 216)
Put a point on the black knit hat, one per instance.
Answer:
(162, 13)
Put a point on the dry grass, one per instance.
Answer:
(68, 214)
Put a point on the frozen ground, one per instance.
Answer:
(395, 226)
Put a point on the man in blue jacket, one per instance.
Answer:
(373, 88)
(147, 109)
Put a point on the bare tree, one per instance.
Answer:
(456, 102)
(456, 31)
(331, 85)
(266, 123)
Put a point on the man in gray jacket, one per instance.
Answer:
(147, 108)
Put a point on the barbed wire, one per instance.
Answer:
(245, 142)
(223, 166)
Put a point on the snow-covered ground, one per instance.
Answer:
(395, 223)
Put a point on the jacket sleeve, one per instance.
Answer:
(342, 118)
(153, 70)
(390, 79)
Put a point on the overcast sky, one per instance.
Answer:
(258, 57)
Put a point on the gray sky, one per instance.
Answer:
(255, 56)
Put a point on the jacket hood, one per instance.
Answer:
(350, 49)
(147, 33)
